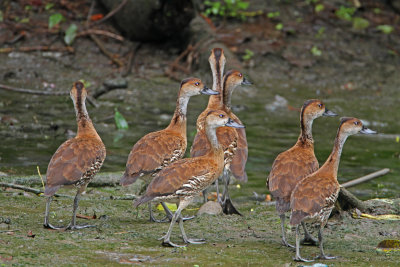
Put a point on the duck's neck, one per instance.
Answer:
(85, 125)
(215, 101)
(212, 138)
(227, 94)
(306, 130)
(332, 163)
(178, 121)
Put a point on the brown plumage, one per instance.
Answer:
(186, 178)
(157, 150)
(77, 160)
(296, 163)
(233, 140)
(313, 198)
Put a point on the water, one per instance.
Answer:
(148, 105)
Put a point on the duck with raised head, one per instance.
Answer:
(185, 179)
(296, 163)
(233, 140)
(156, 150)
(77, 160)
(314, 197)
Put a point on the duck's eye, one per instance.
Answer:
(221, 115)
(320, 105)
(196, 83)
(240, 75)
(356, 123)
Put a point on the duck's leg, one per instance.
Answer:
(73, 225)
(153, 219)
(284, 241)
(308, 239)
(46, 223)
(227, 205)
(217, 189)
(166, 239)
(169, 214)
(205, 192)
(184, 236)
(298, 257)
(321, 247)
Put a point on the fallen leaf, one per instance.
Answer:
(93, 217)
(6, 258)
(388, 245)
(30, 234)
(96, 17)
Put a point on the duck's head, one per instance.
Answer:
(194, 86)
(315, 108)
(78, 93)
(218, 118)
(235, 78)
(350, 126)
(217, 61)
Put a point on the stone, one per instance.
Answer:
(210, 208)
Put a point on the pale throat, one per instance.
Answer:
(212, 136)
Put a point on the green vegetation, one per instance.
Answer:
(345, 13)
(248, 54)
(386, 29)
(360, 23)
(120, 121)
(70, 34)
(315, 51)
(226, 8)
(55, 19)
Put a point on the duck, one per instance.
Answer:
(156, 150)
(314, 197)
(77, 160)
(235, 144)
(186, 178)
(296, 163)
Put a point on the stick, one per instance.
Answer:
(365, 178)
(348, 201)
(29, 91)
(36, 48)
(105, 51)
(111, 13)
(101, 32)
(131, 59)
(29, 189)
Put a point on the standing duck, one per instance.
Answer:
(296, 163)
(313, 198)
(77, 160)
(157, 150)
(235, 144)
(183, 180)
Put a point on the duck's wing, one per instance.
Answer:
(153, 152)
(73, 160)
(314, 196)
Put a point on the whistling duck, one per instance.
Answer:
(235, 145)
(313, 198)
(157, 150)
(77, 160)
(296, 163)
(183, 180)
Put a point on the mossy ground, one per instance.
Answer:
(124, 235)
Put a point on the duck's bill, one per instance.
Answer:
(232, 123)
(366, 130)
(329, 113)
(246, 81)
(208, 91)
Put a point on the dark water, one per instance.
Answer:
(43, 123)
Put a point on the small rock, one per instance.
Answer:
(211, 208)
(279, 102)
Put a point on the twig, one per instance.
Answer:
(365, 178)
(29, 91)
(131, 59)
(37, 48)
(109, 86)
(101, 32)
(106, 52)
(348, 201)
(29, 189)
(111, 13)
(6, 231)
